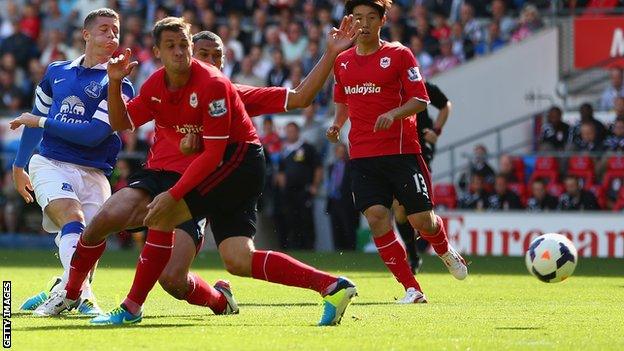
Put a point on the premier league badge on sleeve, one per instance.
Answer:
(217, 108)
(384, 62)
(413, 74)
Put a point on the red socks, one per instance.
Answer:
(438, 240)
(81, 264)
(202, 294)
(280, 268)
(394, 256)
(152, 261)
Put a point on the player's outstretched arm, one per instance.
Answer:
(338, 40)
(88, 134)
(118, 68)
(342, 114)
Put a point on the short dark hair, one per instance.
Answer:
(294, 125)
(103, 12)
(380, 5)
(207, 35)
(173, 24)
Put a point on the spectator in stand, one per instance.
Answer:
(503, 198)
(423, 30)
(77, 45)
(342, 213)
(313, 131)
(462, 46)
(555, 131)
(293, 43)
(506, 169)
(575, 198)
(11, 99)
(131, 144)
(30, 24)
(530, 22)
(424, 59)
(21, 46)
(471, 27)
(35, 75)
(618, 107)
(231, 66)
(311, 57)
(441, 28)
(246, 75)
(295, 77)
(476, 198)
(493, 40)
(614, 90)
(230, 42)
(589, 140)
(587, 116)
(447, 59)
(54, 19)
(259, 22)
(300, 175)
(615, 143)
(479, 164)
(499, 14)
(270, 139)
(540, 199)
(279, 72)
(56, 49)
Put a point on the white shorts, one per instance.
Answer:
(52, 180)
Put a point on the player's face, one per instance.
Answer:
(371, 23)
(102, 35)
(175, 51)
(209, 51)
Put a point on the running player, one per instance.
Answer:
(187, 94)
(380, 89)
(78, 148)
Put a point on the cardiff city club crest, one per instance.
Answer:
(193, 100)
(384, 62)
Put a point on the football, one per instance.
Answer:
(551, 258)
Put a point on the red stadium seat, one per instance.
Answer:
(546, 168)
(520, 190)
(555, 189)
(582, 167)
(518, 167)
(615, 172)
(444, 194)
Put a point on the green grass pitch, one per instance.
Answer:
(499, 307)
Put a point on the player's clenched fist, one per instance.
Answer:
(191, 144)
(333, 134)
(120, 66)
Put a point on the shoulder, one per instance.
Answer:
(397, 48)
(345, 55)
(153, 81)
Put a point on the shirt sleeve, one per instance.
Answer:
(127, 93)
(339, 95)
(437, 97)
(263, 100)
(43, 96)
(217, 114)
(411, 78)
(139, 111)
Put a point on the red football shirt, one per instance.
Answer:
(195, 108)
(375, 84)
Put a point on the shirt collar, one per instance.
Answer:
(78, 62)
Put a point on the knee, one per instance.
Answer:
(377, 216)
(424, 222)
(239, 265)
(174, 284)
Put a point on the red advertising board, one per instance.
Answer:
(597, 40)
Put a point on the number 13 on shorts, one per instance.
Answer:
(421, 186)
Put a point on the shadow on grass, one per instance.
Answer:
(519, 328)
(333, 262)
(96, 327)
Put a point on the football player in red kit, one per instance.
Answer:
(380, 89)
(222, 183)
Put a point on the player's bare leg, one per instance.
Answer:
(432, 229)
(184, 285)
(392, 252)
(408, 235)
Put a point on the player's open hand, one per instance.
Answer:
(22, 183)
(430, 136)
(384, 122)
(162, 205)
(191, 144)
(120, 66)
(333, 134)
(26, 119)
(340, 39)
